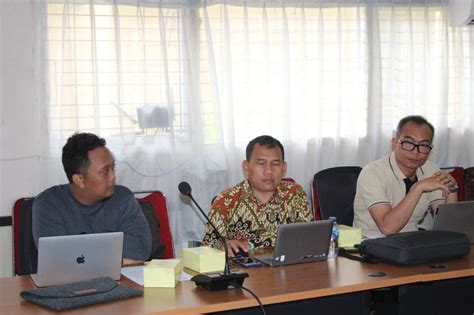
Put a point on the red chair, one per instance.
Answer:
(314, 197)
(458, 173)
(158, 200)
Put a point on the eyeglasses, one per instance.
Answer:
(410, 146)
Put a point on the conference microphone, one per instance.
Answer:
(214, 281)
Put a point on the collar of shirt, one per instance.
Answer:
(409, 183)
(86, 209)
(275, 199)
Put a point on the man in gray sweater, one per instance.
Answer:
(91, 202)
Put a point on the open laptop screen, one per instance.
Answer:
(71, 258)
(299, 243)
(456, 217)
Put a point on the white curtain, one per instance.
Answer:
(178, 88)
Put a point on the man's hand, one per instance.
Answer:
(447, 180)
(438, 181)
(234, 246)
(450, 183)
(131, 262)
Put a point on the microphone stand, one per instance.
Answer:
(214, 281)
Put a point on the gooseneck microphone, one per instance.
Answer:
(214, 281)
(185, 189)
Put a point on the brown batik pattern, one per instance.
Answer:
(237, 214)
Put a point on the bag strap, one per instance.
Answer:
(342, 252)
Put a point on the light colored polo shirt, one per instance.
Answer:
(382, 182)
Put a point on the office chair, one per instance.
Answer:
(333, 193)
(469, 183)
(25, 256)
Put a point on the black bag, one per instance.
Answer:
(416, 247)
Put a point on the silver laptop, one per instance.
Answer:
(457, 217)
(71, 258)
(299, 243)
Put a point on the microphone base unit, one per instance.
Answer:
(215, 281)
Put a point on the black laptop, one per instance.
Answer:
(456, 217)
(299, 243)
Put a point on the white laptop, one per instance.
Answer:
(456, 217)
(71, 258)
(299, 243)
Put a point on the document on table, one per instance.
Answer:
(136, 274)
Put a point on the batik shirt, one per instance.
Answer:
(238, 215)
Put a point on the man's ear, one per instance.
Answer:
(284, 167)
(394, 143)
(78, 180)
(245, 168)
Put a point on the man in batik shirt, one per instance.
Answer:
(247, 214)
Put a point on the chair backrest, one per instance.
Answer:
(158, 200)
(315, 202)
(333, 193)
(458, 173)
(25, 254)
(469, 183)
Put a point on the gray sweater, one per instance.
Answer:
(57, 212)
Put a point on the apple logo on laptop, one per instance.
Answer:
(81, 259)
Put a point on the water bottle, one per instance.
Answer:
(334, 243)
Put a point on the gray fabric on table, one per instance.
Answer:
(77, 294)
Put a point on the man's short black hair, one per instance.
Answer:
(75, 152)
(419, 120)
(266, 141)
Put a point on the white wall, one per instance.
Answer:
(19, 149)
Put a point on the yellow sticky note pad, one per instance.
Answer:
(349, 236)
(162, 273)
(203, 259)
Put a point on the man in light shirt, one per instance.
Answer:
(394, 193)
